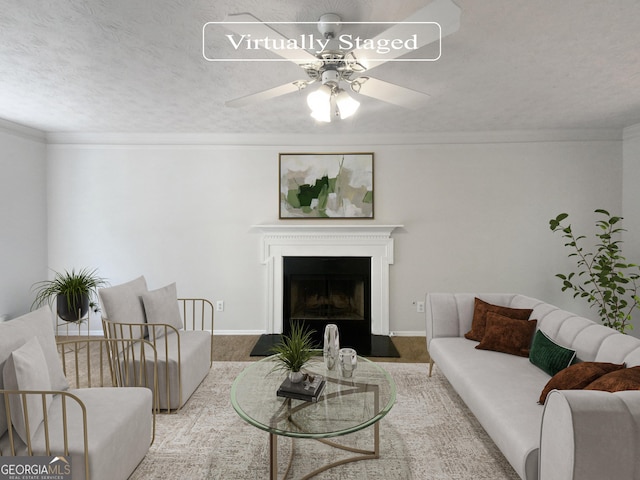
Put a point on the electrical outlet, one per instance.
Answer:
(220, 306)
(420, 307)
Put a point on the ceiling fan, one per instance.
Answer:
(333, 64)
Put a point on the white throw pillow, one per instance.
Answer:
(26, 369)
(15, 333)
(161, 306)
(123, 304)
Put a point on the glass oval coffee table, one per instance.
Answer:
(346, 405)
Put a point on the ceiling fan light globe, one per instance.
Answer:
(347, 105)
(322, 114)
(319, 98)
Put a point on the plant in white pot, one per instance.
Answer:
(603, 277)
(75, 293)
(294, 351)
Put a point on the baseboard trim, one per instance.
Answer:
(238, 332)
(409, 333)
(90, 333)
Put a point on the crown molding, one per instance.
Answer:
(22, 131)
(631, 132)
(337, 140)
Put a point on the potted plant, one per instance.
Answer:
(294, 351)
(74, 293)
(604, 278)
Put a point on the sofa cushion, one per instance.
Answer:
(26, 369)
(617, 381)
(578, 376)
(161, 306)
(507, 335)
(480, 311)
(507, 410)
(123, 304)
(632, 359)
(615, 348)
(180, 370)
(16, 332)
(548, 355)
(195, 362)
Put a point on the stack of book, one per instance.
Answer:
(308, 389)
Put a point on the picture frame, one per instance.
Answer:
(326, 185)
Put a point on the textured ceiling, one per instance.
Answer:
(137, 66)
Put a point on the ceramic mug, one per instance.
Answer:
(348, 360)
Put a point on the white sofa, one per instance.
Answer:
(577, 434)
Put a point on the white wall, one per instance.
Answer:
(631, 203)
(23, 216)
(631, 193)
(475, 215)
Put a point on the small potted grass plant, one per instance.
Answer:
(74, 292)
(294, 351)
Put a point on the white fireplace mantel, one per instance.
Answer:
(346, 240)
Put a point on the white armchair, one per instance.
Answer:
(105, 430)
(181, 331)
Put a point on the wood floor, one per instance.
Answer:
(236, 348)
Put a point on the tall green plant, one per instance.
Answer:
(603, 276)
(295, 349)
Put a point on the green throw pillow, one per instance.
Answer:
(548, 355)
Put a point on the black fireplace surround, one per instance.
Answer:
(323, 290)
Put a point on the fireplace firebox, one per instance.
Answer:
(323, 290)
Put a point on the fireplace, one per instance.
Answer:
(323, 240)
(321, 290)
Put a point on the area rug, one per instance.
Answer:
(428, 434)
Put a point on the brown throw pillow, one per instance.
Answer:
(623, 379)
(578, 376)
(508, 335)
(480, 310)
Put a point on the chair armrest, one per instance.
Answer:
(51, 434)
(197, 313)
(88, 362)
(123, 331)
(590, 435)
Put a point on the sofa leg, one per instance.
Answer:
(430, 366)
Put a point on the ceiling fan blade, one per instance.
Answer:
(266, 94)
(444, 12)
(389, 92)
(258, 30)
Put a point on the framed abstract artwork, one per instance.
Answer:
(326, 185)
